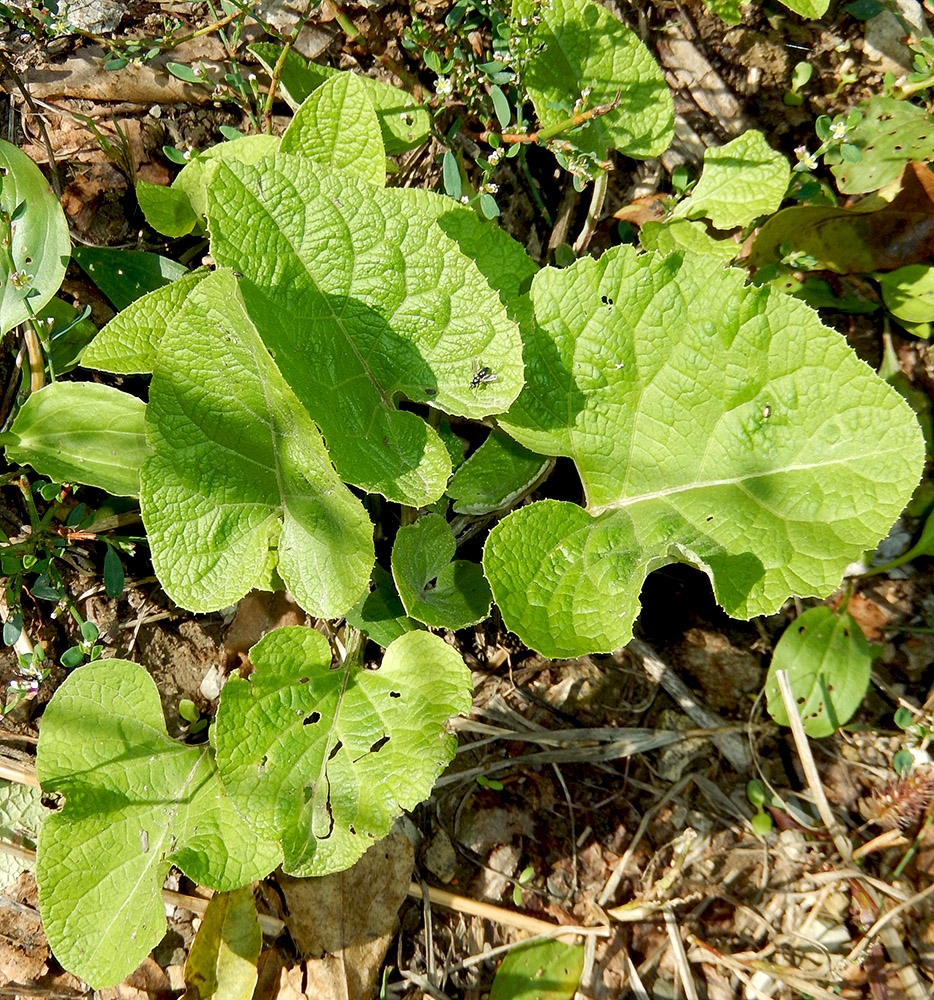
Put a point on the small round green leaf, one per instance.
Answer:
(829, 664)
(435, 588)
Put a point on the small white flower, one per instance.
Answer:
(251, 77)
(491, 188)
(495, 157)
(806, 159)
(838, 130)
(444, 86)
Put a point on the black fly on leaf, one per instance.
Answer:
(481, 375)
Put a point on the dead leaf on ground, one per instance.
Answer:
(259, 612)
(852, 240)
(642, 210)
(346, 921)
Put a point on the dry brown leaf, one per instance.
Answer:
(259, 612)
(346, 921)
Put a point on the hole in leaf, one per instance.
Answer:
(264, 760)
(395, 694)
(304, 680)
(710, 517)
(352, 830)
(310, 720)
(801, 700)
(334, 752)
(383, 740)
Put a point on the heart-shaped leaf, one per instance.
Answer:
(711, 423)
(135, 802)
(325, 759)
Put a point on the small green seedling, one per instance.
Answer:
(758, 796)
(800, 77)
(525, 876)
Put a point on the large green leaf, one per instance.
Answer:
(891, 133)
(40, 246)
(362, 300)
(325, 759)
(577, 44)
(711, 423)
(336, 126)
(81, 432)
(239, 485)
(135, 802)
(127, 344)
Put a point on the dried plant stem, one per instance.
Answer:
(810, 768)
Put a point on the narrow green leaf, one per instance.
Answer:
(41, 245)
(829, 664)
(239, 486)
(124, 275)
(135, 802)
(435, 588)
(325, 759)
(222, 962)
(113, 574)
(336, 126)
(81, 432)
(184, 73)
(500, 106)
(451, 175)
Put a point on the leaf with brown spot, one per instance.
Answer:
(851, 240)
